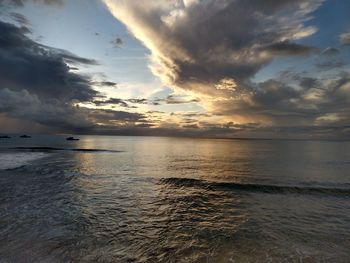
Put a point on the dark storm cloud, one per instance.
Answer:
(50, 112)
(42, 70)
(38, 86)
(62, 117)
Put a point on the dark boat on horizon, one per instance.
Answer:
(72, 139)
(5, 137)
(25, 136)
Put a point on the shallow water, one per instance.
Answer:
(145, 199)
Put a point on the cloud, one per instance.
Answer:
(285, 48)
(344, 39)
(176, 99)
(117, 42)
(111, 101)
(190, 126)
(331, 64)
(37, 85)
(213, 49)
(104, 83)
(62, 117)
(71, 58)
(143, 101)
(19, 18)
(51, 112)
(43, 70)
(171, 99)
(330, 51)
(113, 117)
(330, 59)
(22, 2)
(301, 101)
(196, 45)
(138, 101)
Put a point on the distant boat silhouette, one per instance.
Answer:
(5, 137)
(72, 139)
(25, 136)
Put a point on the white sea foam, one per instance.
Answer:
(15, 160)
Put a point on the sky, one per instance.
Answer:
(199, 68)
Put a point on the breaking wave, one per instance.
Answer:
(260, 188)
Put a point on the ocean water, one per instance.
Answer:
(148, 199)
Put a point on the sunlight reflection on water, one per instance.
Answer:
(178, 200)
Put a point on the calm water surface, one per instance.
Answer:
(145, 199)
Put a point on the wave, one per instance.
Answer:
(9, 161)
(46, 149)
(260, 188)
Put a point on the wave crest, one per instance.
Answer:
(260, 188)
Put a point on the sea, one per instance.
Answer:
(159, 199)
